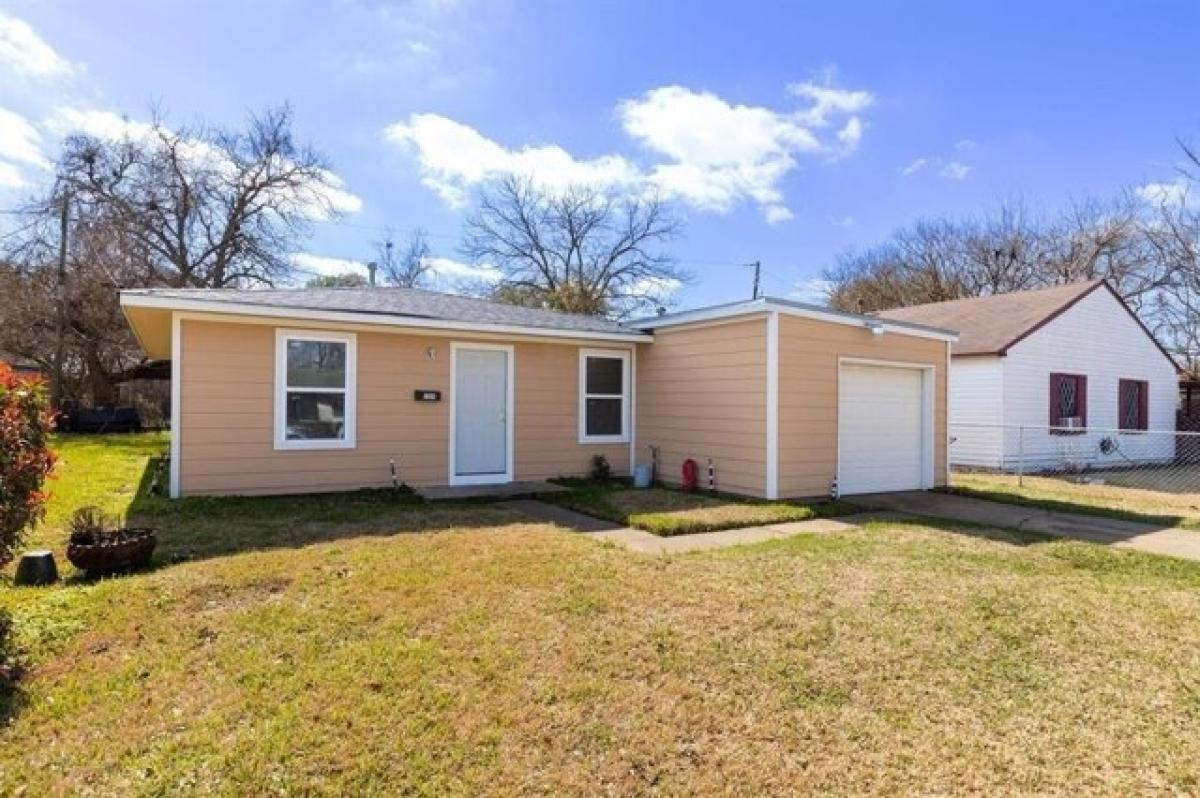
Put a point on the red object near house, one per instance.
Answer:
(691, 474)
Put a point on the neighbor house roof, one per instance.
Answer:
(990, 325)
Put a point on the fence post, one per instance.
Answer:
(1021, 456)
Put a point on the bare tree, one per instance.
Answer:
(204, 207)
(404, 265)
(1148, 254)
(583, 250)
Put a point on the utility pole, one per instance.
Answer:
(60, 311)
(757, 277)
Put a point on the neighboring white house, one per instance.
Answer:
(1064, 377)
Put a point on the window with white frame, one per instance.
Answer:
(603, 396)
(314, 390)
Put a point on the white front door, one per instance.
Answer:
(884, 440)
(481, 415)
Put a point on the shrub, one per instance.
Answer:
(90, 527)
(601, 470)
(25, 456)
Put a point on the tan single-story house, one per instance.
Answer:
(288, 391)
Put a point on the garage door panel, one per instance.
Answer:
(881, 428)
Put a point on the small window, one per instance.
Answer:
(1133, 405)
(314, 386)
(1068, 402)
(603, 397)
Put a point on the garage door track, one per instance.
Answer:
(1151, 538)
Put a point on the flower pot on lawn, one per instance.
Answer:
(123, 549)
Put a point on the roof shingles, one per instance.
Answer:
(404, 302)
(989, 325)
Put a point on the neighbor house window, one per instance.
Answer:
(1068, 401)
(1133, 404)
(603, 396)
(314, 390)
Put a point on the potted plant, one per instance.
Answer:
(98, 545)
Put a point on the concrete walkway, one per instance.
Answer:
(642, 541)
(1151, 538)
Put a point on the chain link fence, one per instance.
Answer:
(1147, 471)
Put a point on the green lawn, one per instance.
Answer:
(364, 644)
(666, 512)
(1134, 495)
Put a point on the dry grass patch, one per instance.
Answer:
(896, 658)
(1132, 495)
(666, 512)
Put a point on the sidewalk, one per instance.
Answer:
(641, 541)
(1150, 538)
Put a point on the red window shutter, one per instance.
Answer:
(1144, 405)
(1081, 398)
(1055, 416)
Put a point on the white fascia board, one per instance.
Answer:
(790, 309)
(134, 300)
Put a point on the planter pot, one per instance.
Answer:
(129, 548)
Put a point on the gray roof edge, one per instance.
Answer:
(232, 304)
(766, 303)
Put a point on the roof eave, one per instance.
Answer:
(800, 309)
(142, 299)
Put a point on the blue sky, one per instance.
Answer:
(786, 132)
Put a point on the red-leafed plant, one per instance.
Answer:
(25, 457)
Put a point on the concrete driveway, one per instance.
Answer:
(1151, 538)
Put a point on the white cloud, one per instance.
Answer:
(454, 157)
(954, 170)
(659, 287)
(20, 141)
(851, 135)
(10, 176)
(845, 222)
(720, 154)
(704, 150)
(101, 123)
(448, 272)
(965, 145)
(25, 53)
(951, 170)
(814, 290)
(828, 101)
(1171, 192)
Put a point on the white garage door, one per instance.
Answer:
(881, 429)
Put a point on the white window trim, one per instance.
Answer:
(616, 354)
(351, 423)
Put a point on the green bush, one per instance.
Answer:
(601, 471)
(25, 456)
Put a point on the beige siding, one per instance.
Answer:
(809, 352)
(227, 418)
(701, 392)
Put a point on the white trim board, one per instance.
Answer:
(772, 453)
(768, 304)
(510, 415)
(371, 319)
(175, 478)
